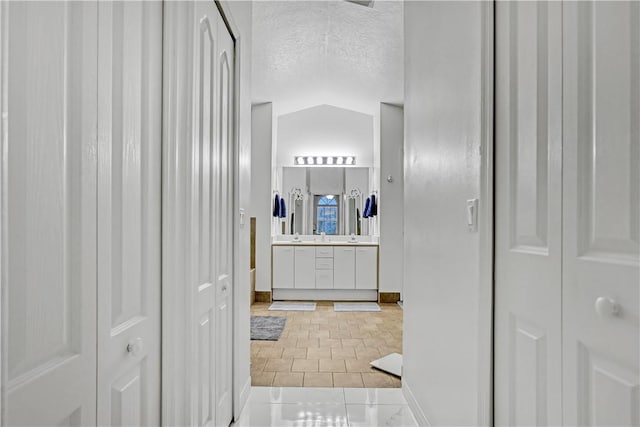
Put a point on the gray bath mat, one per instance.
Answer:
(292, 306)
(356, 306)
(267, 328)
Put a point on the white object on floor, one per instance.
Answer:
(292, 306)
(356, 306)
(301, 406)
(391, 363)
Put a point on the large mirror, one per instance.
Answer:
(327, 200)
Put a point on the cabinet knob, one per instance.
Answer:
(606, 307)
(135, 346)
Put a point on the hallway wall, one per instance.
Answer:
(443, 135)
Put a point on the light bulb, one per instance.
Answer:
(319, 160)
(329, 160)
(300, 160)
(340, 160)
(349, 160)
(309, 160)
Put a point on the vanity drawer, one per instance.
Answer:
(324, 263)
(324, 251)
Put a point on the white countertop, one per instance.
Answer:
(320, 243)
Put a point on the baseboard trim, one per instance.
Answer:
(421, 418)
(389, 297)
(263, 296)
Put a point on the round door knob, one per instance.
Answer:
(606, 307)
(134, 348)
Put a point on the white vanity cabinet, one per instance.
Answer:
(305, 267)
(344, 267)
(367, 268)
(322, 271)
(283, 257)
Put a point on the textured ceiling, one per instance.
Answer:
(339, 53)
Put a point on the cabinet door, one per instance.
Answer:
(305, 270)
(344, 268)
(282, 267)
(324, 279)
(366, 268)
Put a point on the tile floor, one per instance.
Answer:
(353, 407)
(323, 348)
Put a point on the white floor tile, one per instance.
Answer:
(374, 396)
(320, 395)
(380, 415)
(285, 415)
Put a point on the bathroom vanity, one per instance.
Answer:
(317, 270)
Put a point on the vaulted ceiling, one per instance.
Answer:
(332, 52)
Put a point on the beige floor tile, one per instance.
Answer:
(330, 343)
(319, 353)
(377, 380)
(278, 365)
(347, 380)
(319, 334)
(352, 342)
(288, 379)
(343, 353)
(367, 353)
(358, 366)
(304, 365)
(315, 379)
(263, 379)
(308, 342)
(257, 363)
(294, 353)
(270, 353)
(340, 333)
(330, 365)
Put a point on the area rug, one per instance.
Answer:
(356, 306)
(292, 306)
(267, 328)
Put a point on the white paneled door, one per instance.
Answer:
(567, 243)
(601, 228)
(528, 214)
(49, 159)
(129, 153)
(211, 219)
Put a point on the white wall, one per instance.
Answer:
(444, 50)
(391, 198)
(239, 13)
(261, 195)
(325, 130)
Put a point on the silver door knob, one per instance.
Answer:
(606, 307)
(224, 288)
(135, 346)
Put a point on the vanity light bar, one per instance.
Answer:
(324, 160)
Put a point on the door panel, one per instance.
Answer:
(224, 252)
(528, 213)
(601, 265)
(129, 123)
(49, 149)
(366, 268)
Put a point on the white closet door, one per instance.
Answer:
(129, 124)
(206, 201)
(223, 175)
(528, 209)
(601, 262)
(49, 53)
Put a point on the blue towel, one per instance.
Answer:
(283, 209)
(276, 207)
(374, 206)
(367, 208)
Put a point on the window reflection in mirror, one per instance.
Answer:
(326, 213)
